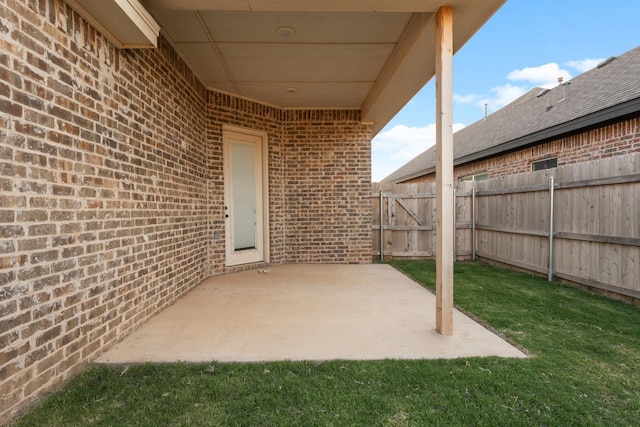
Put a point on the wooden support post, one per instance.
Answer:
(444, 170)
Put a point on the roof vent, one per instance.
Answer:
(606, 61)
(565, 87)
(543, 92)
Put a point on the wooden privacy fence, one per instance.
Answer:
(405, 217)
(578, 222)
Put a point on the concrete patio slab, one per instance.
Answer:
(305, 312)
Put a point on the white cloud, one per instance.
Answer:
(466, 99)
(403, 142)
(501, 96)
(395, 147)
(545, 75)
(584, 64)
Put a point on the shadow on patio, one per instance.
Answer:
(305, 312)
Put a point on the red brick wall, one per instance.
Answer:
(607, 141)
(111, 188)
(319, 181)
(327, 187)
(103, 199)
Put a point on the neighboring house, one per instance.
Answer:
(593, 116)
(134, 165)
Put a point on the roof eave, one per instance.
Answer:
(412, 64)
(589, 121)
(616, 112)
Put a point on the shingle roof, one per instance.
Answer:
(611, 90)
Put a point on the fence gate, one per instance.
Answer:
(404, 221)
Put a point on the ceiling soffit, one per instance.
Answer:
(315, 54)
(239, 51)
(300, 5)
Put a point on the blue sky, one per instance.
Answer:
(526, 44)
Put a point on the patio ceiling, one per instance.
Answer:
(373, 55)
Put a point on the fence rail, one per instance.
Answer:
(577, 222)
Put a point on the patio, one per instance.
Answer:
(151, 144)
(305, 312)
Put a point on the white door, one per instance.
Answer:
(244, 198)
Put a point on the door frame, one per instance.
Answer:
(228, 132)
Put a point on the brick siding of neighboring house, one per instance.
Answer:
(606, 141)
(111, 189)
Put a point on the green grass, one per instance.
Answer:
(585, 371)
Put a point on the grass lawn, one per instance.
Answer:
(585, 370)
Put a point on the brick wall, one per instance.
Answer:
(103, 196)
(327, 187)
(607, 141)
(319, 181)
(111, 190)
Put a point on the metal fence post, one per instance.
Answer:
(473, 221)
(381, 225)
(551, 195)
(455, 227)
